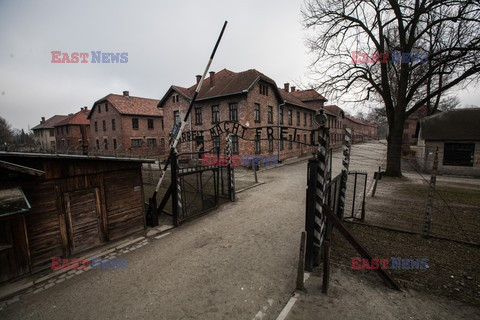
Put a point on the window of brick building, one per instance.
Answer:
(52, 132)
(256, 113)
(104, 125)
(270, 114)
(113, 125)
(105, 144)
(233, 108)
(99, 108)
(106, 107)
(215, 114)
(96, 127)
(304, 119)
(290, 141)
(135, 123)
(198, 115)
(298, 140)
(136, 143)
(305, 138)
(234, 138)
(290, 121)
(66, 129)
(258, 144)
(281, 116)
(263, 89)
(176, 117)
(150, 123)
(114, 144)
(151, 142)
(175, 98)
(97, 144)
(298, 118)
(311, 119)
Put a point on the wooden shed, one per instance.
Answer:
(70, 204)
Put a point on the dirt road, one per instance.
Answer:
(238, 262)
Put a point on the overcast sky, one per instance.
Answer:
(168, 42)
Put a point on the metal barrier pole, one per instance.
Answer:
(321, 183)
(344, 179)
(310, 213)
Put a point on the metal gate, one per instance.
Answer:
(197, 189)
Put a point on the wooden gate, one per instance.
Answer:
(83, 218)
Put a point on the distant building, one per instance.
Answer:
(412, 127)
(126, 125)
(336, 118)
(72, 133)
(456, 134)
(362, 130)
(44, 133)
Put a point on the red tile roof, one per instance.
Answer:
(227, 83)
(50, 123)
(307, 95)
(131, 105)
(335, 110)
(78, 118)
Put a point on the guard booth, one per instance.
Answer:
(64, 205)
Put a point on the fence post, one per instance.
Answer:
(377, 177)
(364, 195)
(321, 183)
(310, 212)
(301, 263)
(176, 190)
(431, 191)
(344, 179)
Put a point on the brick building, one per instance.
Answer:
(123, 124)
(361, 130)
(336, 117)
(72, 133)
(248, 98)
(412, 127)
(44, 133)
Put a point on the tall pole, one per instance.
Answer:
(431, 191)
(187, 114)
(345, 165)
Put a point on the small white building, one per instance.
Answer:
(456, 133)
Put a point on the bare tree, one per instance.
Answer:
(6, 133)
(443, 33)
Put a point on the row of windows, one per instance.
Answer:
(135, 124)
(135, 143)
(60, 130)
(39, 133)
(233, 115)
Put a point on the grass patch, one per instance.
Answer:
(449, 194)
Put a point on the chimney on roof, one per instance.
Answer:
(286, 86)
(293, 89)
(43, 120)
(126, 94)
(198, 78)
(212, 78)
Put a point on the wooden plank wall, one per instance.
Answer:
(124, 202)
(44, 237)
